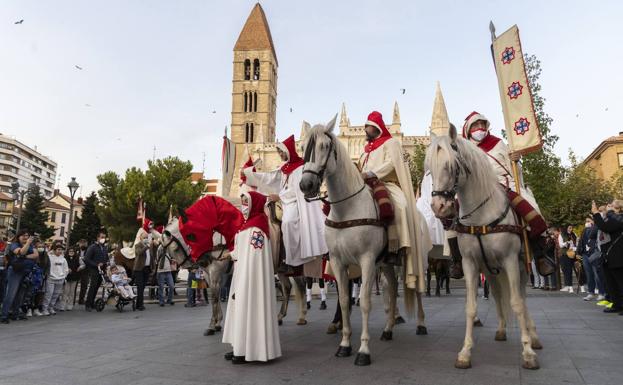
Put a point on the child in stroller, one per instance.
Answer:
(121, 281)
(116, 289)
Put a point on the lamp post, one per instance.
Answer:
(73, 187)
(18, 195)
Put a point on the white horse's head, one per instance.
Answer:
(174, 244)
(320, 155)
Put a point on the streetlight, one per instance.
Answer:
(19, 195)
(73, 187)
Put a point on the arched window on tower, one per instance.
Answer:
(247, 69)
(255, 102)
(246, 102)
(256, 69)
(248, 136)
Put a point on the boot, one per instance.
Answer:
(456, 269)
(323, 305)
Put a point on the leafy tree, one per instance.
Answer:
(34, 216)
(165, 182)
(88, 224)
(416, 165)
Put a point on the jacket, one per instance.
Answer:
(613, 251)
(58, 267)
(73, 264)
(95, 254)
(140, 251)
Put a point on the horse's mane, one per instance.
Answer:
(351, 175)
(467, 154)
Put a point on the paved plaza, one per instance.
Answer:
(582, 345)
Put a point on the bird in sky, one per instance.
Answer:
(403, 90)
(78, 67)
(214, 111)
(290, 109)
(87, 105)
(20, 22)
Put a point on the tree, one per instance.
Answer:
(416, 165)
(88, 224)
(165, 182)
(34, 216)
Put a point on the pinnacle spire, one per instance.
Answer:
(440, 123)
(343, 116)
(255, 34)
(396, 116)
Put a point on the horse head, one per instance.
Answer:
(320, 156)
(175, 245)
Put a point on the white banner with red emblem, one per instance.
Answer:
(520, 120)
(228, 158)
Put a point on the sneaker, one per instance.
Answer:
(589, 297)
(583, 289)
(45, 312)
(29, 313)
(601, 297)
(603, 302)
(36, 313)
(52, 312)
(609, 305)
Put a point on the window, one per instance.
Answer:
(248, 138)
(255, 101)
(620, 155)
(63, 217)
(62, 232)
(3, 205)
(246, 102)
(247, 69)
(256, 69)
(53, 216)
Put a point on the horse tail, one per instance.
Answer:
(409, 295)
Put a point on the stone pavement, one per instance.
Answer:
(582, 345)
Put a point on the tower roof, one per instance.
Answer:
(255, 34)
(440, 123)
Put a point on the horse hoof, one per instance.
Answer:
(301, 322)
(500, 335)
(208, 332)
(536, 344)
(421, 331)
(478, 323)
(218, 328)
(399, 320)
(332, 329)
(387, 335)
(362, 359)
(461, 364)
(343, 351)
(280, 322)
(531, 364)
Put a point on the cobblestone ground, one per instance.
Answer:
(582, 345)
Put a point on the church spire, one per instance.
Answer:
(440, 123)
(396, 116)
(255, 34)
(343, 116)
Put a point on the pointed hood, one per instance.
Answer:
(243, 178)
(376, 119)
(257, 217)
(294, 160)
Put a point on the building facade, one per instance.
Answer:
(607, 158)
(254, 104)
(6, 213)
(22, 164)
(57, 208)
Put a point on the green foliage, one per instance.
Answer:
(34, 216)
(416, 165)
(165, 182)
(88, 224)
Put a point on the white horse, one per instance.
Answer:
(353, 232)
(488, 237)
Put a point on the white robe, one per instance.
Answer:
(302, 222)
(251, 318)
(435, 227)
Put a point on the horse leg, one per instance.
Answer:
(428, 278)
(464, 359)
(299, 293)
(518, 304)
(286, 288)
(421, 325)
(534, 338)
(367, 276)
(438, 282)
(339, 270)
(446, 272)
(390, 286)
(500, 333)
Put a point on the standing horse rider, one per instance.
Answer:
(477, 129)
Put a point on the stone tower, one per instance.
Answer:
(254, 88)
(440, 123)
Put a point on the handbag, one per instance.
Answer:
(570, 254)
(545, 266)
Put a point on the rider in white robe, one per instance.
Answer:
(251, 319)
(302, 222)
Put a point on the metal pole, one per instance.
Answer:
(69, 224)
(21, 207)
(527, 254)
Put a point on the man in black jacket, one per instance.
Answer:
(612, 252)
(95, 258)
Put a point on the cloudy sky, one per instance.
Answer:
(154, 71)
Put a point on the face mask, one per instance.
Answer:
(40, 249)
(245, 211)
(102, 240)
(588, 224)
(479, 135)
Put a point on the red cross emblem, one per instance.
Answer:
(521, 126)
(508, 55)
(514, 90)
(257, 239)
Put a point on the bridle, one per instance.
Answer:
(310, 156)
(174, 239)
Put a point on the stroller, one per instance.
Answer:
(111, 294)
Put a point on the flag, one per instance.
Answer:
(140, 213)
(228, 167)
(520, 121)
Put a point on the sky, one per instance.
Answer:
(154, 71)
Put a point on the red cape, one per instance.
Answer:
(257, 217)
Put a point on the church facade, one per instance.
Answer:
(254, 104)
